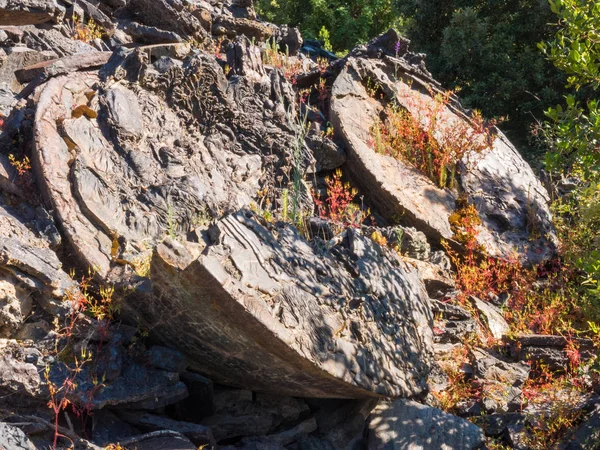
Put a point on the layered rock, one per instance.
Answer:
(510, 200)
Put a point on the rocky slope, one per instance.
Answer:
(167, 277)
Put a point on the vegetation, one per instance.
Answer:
(415, 138)
(339, 24)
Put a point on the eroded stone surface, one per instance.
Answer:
(357, 327)
(512, 203)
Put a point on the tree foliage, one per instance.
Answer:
(348, 22)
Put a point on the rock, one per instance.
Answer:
(551, 351)
(166, 443)
(199, 434)
(407, 425)
(414, 244)
(287, 437)
(15, 305)
(32, 264)
(70, 64)
(16, 59)
(587, 435)
(8, 176)
(18, 377)
(166, 358)
(327, 153)
(437, 281)
(396, 189)
(91, 12)
(342, 425)
(289, 40)
(169, 16)
(493, 318)
(232, 27)
(502, 381)
(456, 323)
(26, 12)
(494, 425)
(151, 35)
(339, 367)
(12, 438)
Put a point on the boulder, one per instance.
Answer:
(407, 425)
(18, 377)
(511, 201)
(492, 317)
(381, 347)
(26, 12)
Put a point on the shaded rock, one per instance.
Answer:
(437, 281)
(338, 367)
(498, 182)
(12, 438)
(290, 40)
(52, 39)
(166, 358)
(198, 434)
(26, 12)
(405, 424)
(587, 435)
(551, 351)
(165, 443)
(328, 154)
(200, 402)
(16, 59)
(493, 318)
(285, 437)
(494, 425)
(169, 16)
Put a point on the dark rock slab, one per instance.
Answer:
(408, 425)
(199, 434)
(165, 358)
(511, 201)
(379, 348)
(552, 351)
(26, 12)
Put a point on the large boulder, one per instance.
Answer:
(510, 200)
(266, 310)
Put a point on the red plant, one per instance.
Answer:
(338, 206)
(428, 137)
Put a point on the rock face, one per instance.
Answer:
(407, 425)
(355, 328)
(512, 203)
(25, 12)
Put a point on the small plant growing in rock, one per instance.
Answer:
(427, 140)
(85, 32)
(338, 206)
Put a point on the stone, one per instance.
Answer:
(151, 35)
(200, 402)
(232, 27)
(8, 176)
(12, 438)
(169, 16)
(455, 324)
(15, 305)
(551, 351)
(26, 12)
(343, 359)
(587, 435)
(290, 40)
(498, 182)
(328, 154)
(166, 443)
(493, 318)
(165, 358)
(18, 377)
(56, 67)
(407, 425)
(199, 434)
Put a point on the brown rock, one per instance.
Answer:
(26, 12)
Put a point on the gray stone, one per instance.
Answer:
(511, 201)
(56, 67)
(18, 377)
(587, 436)
(26, 12)
(408, 425)
(15, 305)
(12, 438)
(493, 318)
(289, 40)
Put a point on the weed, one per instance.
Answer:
(25, 180)
(85, 32)
(338, 206)
(426, 138)
(273, 57)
